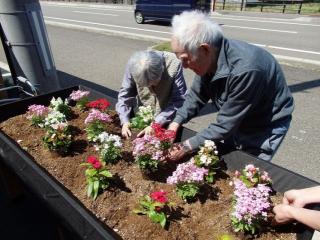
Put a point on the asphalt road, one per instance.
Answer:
(287, 35)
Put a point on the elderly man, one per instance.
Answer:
(152, 78)
(244, 82)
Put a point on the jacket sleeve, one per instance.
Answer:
(196, 98)
(177, 96)
(245, 91)
(127, 97)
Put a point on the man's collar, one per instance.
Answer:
(222, 64)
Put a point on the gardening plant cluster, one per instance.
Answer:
(252, 189)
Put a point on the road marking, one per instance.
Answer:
(109, 31)
(106, 14)
(260, 29)
(107, 25)
(267, 21)
(103, 8)
(286, 49)
(294, 50)
(146, 37)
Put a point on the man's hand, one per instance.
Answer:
(174, 126)
(283, 213)
(125, 131)
(178, 151)
(147, 131)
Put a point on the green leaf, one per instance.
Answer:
(106, 173)
(95, 189)
(90, 188)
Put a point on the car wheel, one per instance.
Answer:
(139, 17)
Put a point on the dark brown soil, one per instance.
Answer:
(206, 218)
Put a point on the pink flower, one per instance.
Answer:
(95, 115)
(77, 95)
(35, 110)
(159, 196)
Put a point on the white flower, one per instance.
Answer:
(54, 117)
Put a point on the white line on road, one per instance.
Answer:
(94, 7)
(107, 14)
(107, 25)
(154, 38)
(294, 50)
(266, 21)
(260, 29)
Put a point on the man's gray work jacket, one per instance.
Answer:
(249, 90)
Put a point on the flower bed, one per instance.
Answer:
(208, 217)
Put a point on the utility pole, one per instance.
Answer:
(26, 41)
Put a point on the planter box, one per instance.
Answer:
(72, 212)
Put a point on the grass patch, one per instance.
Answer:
(164, 46)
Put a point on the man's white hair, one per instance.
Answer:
(146, 67)
(193, 28)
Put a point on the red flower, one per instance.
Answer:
(92, 159)
(159, 196)
(94, 162)
(163, 134)
(97, 165)
(100, 104)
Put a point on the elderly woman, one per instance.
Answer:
(152, 78)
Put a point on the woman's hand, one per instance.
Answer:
(147, 131)
(125, 131)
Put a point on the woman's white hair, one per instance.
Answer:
(146, 67)
(193, 28)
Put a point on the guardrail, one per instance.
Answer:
(263, 4)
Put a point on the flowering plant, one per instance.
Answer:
(166, 137)
(147, 152)
(99, 104)
(150, 149)
(109, 146)
(81, 97)
(207, 158)
(58, 138)
(95, 123)
(188, 178)
(155, 205)
(251, 199)
(142, 118)
(251, 176)
(60, 106)
(97, 176)
(37, 113)
(54, 117)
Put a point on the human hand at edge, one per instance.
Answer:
(294, 198)
(125, 131)
(174, 127)
(283, 213)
